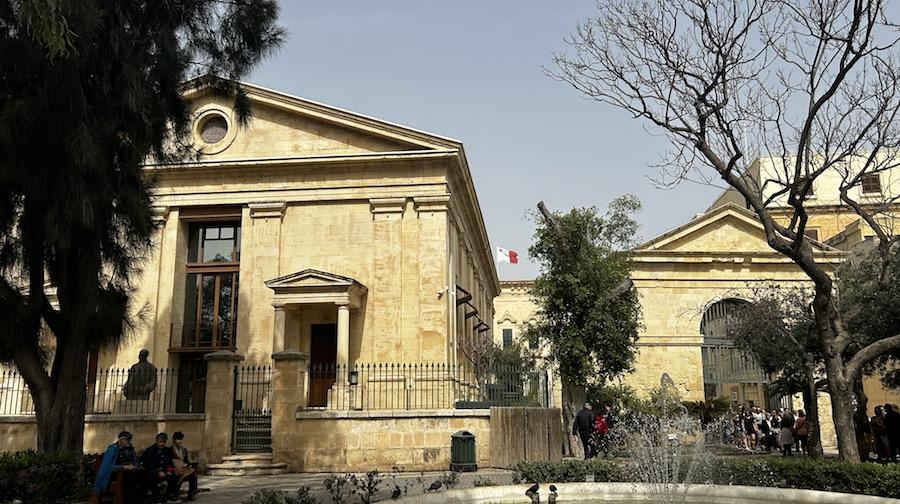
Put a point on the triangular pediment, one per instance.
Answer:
(311, 278)
(285, 126)
(726, 229)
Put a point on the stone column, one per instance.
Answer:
(217, 426)
(288, 396)
(278, 325)
(343, 343)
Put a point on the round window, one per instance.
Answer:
(213, 129)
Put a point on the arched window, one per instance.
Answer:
(724, 366)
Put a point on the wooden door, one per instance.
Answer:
(322, 358)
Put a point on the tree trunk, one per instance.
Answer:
(573, 397)
(811, 403)
(842, 408)
(62, 427)
(861, 419)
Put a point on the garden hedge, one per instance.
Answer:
(45, 478)
(795, 472)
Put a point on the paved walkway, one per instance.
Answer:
(234, 489)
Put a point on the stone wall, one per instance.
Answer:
(364, 440)
(19, 433)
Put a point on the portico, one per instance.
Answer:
(318, 292)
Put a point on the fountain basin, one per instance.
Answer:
(621, 493)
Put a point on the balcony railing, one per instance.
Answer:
(373, 386)
(203, 336)
(115, 392)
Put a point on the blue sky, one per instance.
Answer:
(471, 70)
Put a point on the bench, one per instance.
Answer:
(115, 493)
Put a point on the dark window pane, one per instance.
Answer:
(237, 244)
(194, 231)
(207, 308)
(871, 183)
(190, 298)
(226, 295)
(507, 338)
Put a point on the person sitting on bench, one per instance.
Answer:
(157, 461)
(120, 456)
(184, 468)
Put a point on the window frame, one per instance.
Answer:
(503, 333)
(197, 228)
(866, 180)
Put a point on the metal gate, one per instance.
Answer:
(252, 413)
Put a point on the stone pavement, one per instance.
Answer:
(234, 489)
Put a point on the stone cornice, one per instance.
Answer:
(473, 217)
(438, 203)
(834, 257)
(313, 160)
(159, 213)
(387, 205)
(266, 209)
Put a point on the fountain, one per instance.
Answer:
(668, 462)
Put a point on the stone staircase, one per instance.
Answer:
(246, 464)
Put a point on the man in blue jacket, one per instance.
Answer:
(120, 456)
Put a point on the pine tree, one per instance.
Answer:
(89, 90)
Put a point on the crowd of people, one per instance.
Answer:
(880, 434)
(156, 475)
(788, 432)
(777, 430)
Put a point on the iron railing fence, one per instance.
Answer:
(252, 409)
(252, 388)
(397, 386)
(15, 397)
(120, 391)
(176, 390)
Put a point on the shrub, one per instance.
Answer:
(338, 487)
(796, 472)
(366, 486)
(567, 471)
(449, 479)
(270, 496)
(805, 473)
(484, 482)
(39, 478)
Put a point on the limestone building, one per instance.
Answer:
(691, 278)
(315, 272)
(311, 229)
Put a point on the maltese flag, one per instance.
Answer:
(507, 256)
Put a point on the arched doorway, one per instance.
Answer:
(728, 371)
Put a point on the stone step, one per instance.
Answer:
(249, 464)
(269, 469)
(248, 456)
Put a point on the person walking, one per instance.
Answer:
(765, 431)
(801, 431)
(583, 428)
(786, 438)
(758, 417)
(892, 429)
(601, 431)
(750, 432)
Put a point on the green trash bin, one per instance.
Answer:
(462, 452)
